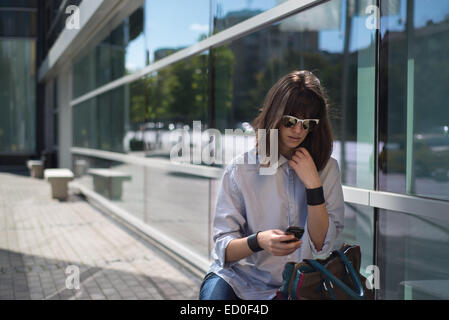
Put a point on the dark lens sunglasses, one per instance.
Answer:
(307, 124)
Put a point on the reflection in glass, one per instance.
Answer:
(173, 25)
(140, 117)
(231, 12)
(178, 206)
(110, 121)
(359, 230)
(414, 121)
(175, 96)
(120, 53)
(340, 51)
(413, 256)
(121, 183)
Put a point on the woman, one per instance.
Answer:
(253, 210)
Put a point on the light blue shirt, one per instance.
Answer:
(249, 202)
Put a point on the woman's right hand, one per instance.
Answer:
(273, 242)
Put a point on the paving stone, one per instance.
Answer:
(43, 240)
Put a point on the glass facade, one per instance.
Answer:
(386, 88)
(414, 142)
(414, 147)
(413, 256)
(18, 29)
(223, 88)
(121, 52)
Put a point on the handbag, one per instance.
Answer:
(335, 278)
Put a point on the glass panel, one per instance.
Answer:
(175, 97)
(413, 256)
(359, 230)
(110, 121)
(121, 183)
(84, 74)
(232, 12)
(85, 133)
(138, 118)
(333, 41)
(185, 217)
(120, 53)
(414, 134)
(17, 96)
(18, 24)
(163, 37)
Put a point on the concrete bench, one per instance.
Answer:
(108, 182)
(36, 168)
(59, 180)
(80, 168)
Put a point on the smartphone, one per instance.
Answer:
(297, 231)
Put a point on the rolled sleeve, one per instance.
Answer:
(334, 201)
(331, 236)
(229, 220)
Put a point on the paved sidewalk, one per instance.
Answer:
(41, 237)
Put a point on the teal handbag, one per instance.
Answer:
(336, 277)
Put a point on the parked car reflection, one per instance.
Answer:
(430, 156)
(156, 139)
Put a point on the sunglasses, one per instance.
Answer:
(307, 124)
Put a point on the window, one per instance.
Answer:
(414, 123)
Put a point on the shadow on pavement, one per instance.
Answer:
(24, 277)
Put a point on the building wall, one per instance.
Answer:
(18, 32)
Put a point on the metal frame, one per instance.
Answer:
(414, 205)
(376, 139)
(420, 206)
(198, 170)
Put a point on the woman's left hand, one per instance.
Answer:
(304, 166)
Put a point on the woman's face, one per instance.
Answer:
(291, 138)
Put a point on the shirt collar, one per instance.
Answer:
(252, 156)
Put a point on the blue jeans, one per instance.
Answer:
(215, 288)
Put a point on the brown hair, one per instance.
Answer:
(299, 94)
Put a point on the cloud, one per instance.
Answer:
(199, 27)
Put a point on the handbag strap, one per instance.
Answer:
(350, 269)
(359, 294)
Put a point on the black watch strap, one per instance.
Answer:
(253, 244)
(315, 197)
